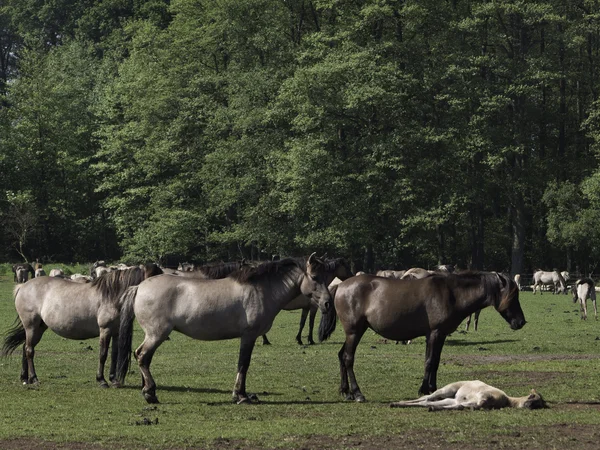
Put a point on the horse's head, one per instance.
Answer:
(314, 284)
(507, 303)
(342, 269)
(534, 401)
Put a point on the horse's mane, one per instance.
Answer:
(491, 282)
(251, 274)
(220, 270)
(112, 284)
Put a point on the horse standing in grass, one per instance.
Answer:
(553, 278)
(242, 305)
(73, 311)
(404, 309)
(584, 289)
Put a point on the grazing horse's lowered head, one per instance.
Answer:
(507, 302)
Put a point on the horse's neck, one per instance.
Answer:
(283, 289)
(517, 402)
(476, 300)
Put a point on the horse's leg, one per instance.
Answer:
(344, 387)
(352, 341)
(435, 342)
(265, 340)
(104, 345)
(302, 323)
(468, 322)
(477, 319)
(584, 307)
(33, 334)
(311, 324)
(114, 354)
(144, 354)
(239, 388)
(595, 309)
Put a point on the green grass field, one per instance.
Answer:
(556, 353)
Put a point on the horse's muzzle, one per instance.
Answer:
(517, 324)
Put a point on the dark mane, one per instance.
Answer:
(490, 282)
(220, 270)
(112, 284)
(250, 274)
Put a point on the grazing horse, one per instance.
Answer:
(58, 273)
(242, 305)
(404, 309)
(584, 289)
(553, 278)
(73, 311)
(335, 268)
(40, 272)
(390, 273)
(21, 272)
(518, 280)
(473, 394)
(416, 273)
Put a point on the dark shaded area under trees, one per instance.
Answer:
(394, 133)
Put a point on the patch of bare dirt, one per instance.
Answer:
(543, 437)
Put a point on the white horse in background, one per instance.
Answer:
(565, 275)
(518, 280)
(473, 395)
(553, 278)
(584, 289)
(58, 273)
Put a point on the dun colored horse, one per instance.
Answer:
(473, 394)
(73, 311)
(404, 309)
(242, 305)
(553, 278)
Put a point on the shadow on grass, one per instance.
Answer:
(181, 389)
(456, 343)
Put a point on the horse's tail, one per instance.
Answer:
(126, 301)
(328, 319)
(15, 336)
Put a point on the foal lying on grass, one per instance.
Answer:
(474, 395)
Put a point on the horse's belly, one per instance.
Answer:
(71, 324)
(401, 328)
(82, 330)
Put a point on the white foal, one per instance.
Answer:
(474, 395)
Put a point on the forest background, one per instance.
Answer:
(394, 133)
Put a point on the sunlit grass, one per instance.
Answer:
(298, 386)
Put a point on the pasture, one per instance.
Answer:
(556, 353)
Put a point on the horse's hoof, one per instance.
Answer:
(150, 398)
(349, 397)
(103, 385)
(360, 398)
(116, 384)
(311, 342)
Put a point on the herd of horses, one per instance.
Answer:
(241, 300)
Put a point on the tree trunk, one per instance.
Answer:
(517, 217)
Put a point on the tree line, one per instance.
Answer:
(394, 133)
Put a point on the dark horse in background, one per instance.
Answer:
(404, 309)
(21, 272)
(334, 268)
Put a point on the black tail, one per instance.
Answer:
(125, 332)
(13, 339)
(328, 319)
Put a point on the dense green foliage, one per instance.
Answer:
(555, 353)
(395, 133)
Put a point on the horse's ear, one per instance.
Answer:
(502, 279)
